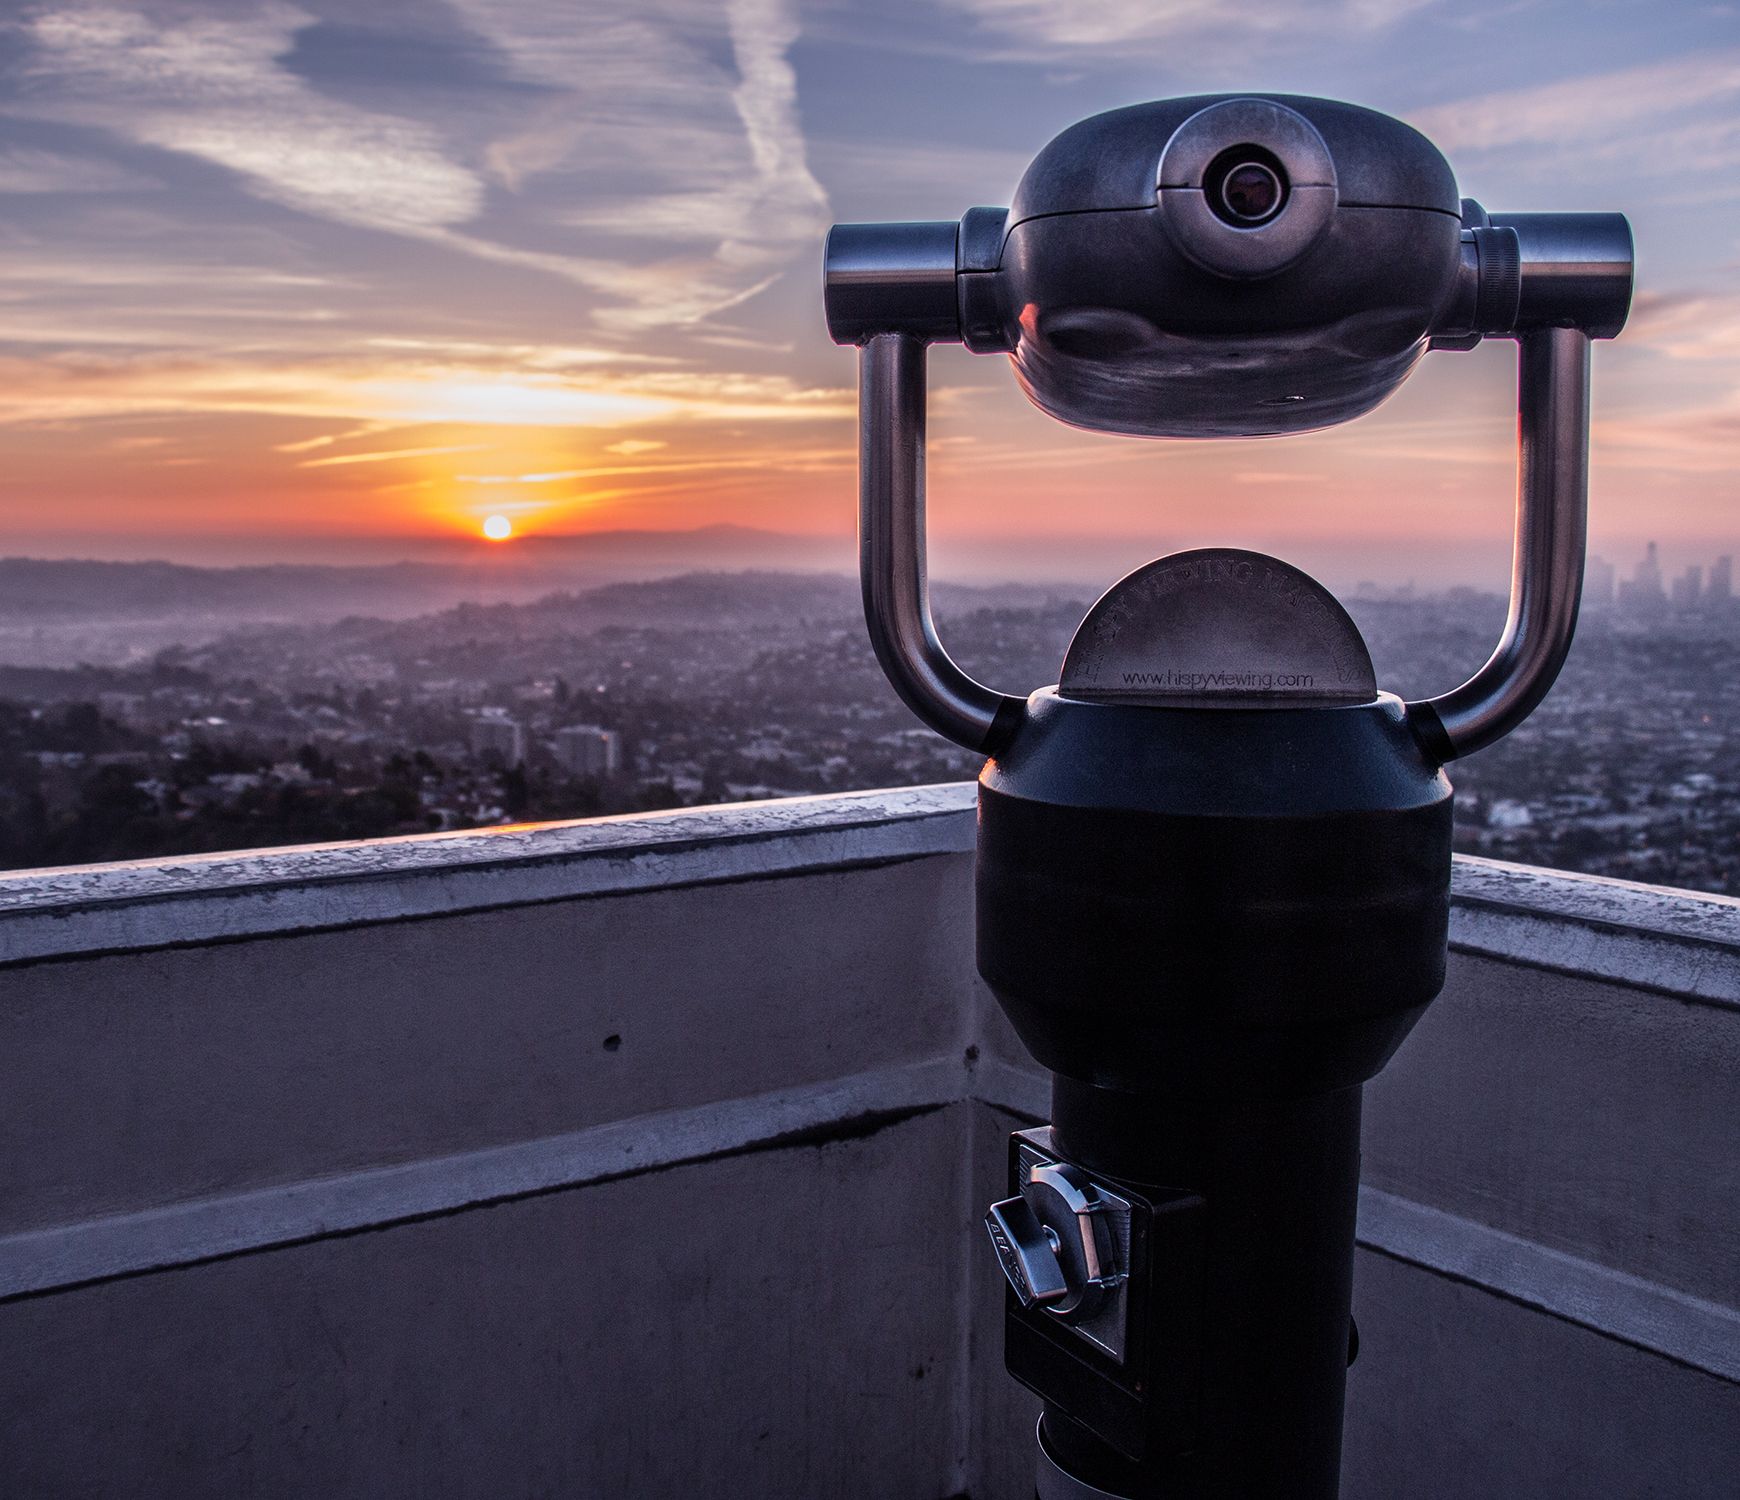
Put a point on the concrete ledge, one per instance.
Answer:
(1644, 1314)
(1650, 937)
(131, 907)
(1673, 942)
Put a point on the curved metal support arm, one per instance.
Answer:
(891, 552)
(1546, 584)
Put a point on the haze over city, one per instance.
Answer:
(308, 282)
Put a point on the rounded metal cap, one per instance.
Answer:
(1246, 187)
(1219, 627)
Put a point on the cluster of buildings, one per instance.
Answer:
(1649, 593)
(584, 750)
(538, 712)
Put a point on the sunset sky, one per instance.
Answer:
(332, 280)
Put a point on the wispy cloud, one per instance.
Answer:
(72, 387)
(1573, 112)
(909, 172)
(387, 455)
(510, 354)
(1699, 440)
(788, 460)
(327, 439)
(43, 272)
(1664, 134)
(633, 111)
(1078, 26)
(29, 169)
(210, 85)
(695, 177)
(1700, 326)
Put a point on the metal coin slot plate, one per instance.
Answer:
(1219, 627)
(1078, 1271)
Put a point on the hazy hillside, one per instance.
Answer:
(60, 612)
(733, 616)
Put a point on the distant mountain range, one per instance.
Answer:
(737, 613)
(40, 592)
(734, 604)
(58, 614)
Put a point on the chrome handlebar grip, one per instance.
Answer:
(882, 278)
(1577, 270)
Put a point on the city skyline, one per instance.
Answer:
(1652, 586)
(697, 689)
(280, 283)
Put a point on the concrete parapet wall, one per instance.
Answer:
(644, 1157)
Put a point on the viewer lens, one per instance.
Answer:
(1251, 192)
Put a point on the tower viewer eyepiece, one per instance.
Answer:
(1244, 189)
(1228, 266)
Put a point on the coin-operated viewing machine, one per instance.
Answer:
(1214, 859)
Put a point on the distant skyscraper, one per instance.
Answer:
(1688, 588)
(1643, 591)
(494, 734)
(1648, 576)
(1598, 584)
(587, 750)
(1720, 593)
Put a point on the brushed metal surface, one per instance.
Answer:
(1219, 626)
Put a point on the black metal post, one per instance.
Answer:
(1279, 1181)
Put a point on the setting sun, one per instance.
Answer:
(498, 528)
